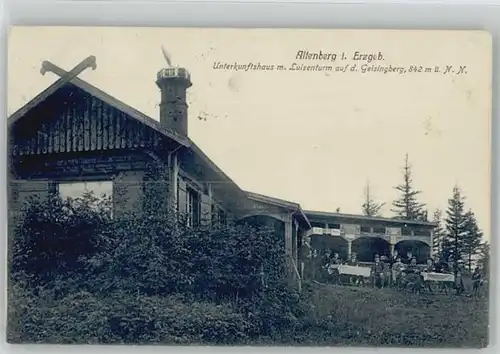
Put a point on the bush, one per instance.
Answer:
(52, 238)
(85, 318)
(80, 276)
(76, 245)
(155, 256)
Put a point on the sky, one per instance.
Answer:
(313, 137)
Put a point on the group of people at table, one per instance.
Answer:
(398, 272)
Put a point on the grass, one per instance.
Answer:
(385, 317)
(327, 315)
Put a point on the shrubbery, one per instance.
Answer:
(86, 318)
(79, 275)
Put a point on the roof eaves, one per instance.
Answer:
(196, 149)
(271, 200)
(354, 216)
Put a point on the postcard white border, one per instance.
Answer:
(444, 14)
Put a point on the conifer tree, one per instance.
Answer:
(471, 240)
(484, 257)
(439, 234)
(407, 205)
(370, 207)
(456, 224)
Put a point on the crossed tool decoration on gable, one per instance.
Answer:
(67, 76)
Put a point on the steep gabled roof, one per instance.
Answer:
(152, 123)
(112, 101)
(131, 112)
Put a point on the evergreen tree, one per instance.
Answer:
(407, 205)
(471, 241)
(370, 207)
(439, 234)
(456, 224)
(484, 257)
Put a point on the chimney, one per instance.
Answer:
(173, 84)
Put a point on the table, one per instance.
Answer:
(439, 277)
(354, 270)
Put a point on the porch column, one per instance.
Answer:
(293, 267)
(295, 246)
(349, 248)
(392, 241)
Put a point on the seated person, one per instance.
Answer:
(324, 262)
(378, 272)
(353, 261)
(429, 268)
(398, 269)
(450, 266)
(386, 262)
(441, 266)
(333, 270)
(412, 276)
(438, 265)
(409, 257)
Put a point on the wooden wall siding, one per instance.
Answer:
(21, 190)
(73, 165)
(83, 123)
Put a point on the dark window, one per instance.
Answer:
(406, 231)
(334, 226)
(193, 207)
(318, 224)
(379, 230)
(421, 232)
(366, 229)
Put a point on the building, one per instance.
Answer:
(367, 236)
(73, 137)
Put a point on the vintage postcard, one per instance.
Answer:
(249, 186)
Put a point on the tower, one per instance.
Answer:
(173, 83)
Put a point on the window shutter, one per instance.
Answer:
(206, 209)
(182, 197)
